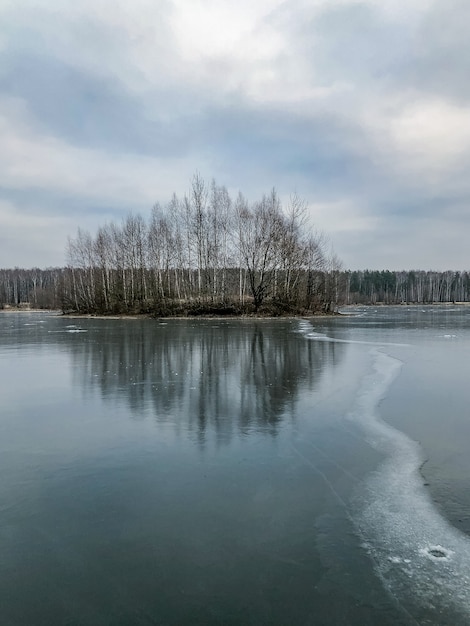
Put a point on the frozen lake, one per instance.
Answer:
(236, 472)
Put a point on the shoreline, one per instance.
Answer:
(196, 317)
(21, 310)
(344, 312)
(139, 316)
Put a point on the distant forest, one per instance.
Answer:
(206, 253)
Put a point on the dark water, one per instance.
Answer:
(235, 472)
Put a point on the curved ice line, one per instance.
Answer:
(307, 330)
(419, 556)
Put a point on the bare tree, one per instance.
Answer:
(203, 251)
(260, 231)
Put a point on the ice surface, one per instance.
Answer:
(307, 329)
(69, 330)
(419, 556)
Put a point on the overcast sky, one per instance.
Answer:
(361, 108)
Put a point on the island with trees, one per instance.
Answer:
(207, 253)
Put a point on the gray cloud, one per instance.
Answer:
(439, 62)
(359, 107)
(88, 111)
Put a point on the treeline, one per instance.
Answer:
(386, 287)
(202, 253)
(50, 288)
(36, 288)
